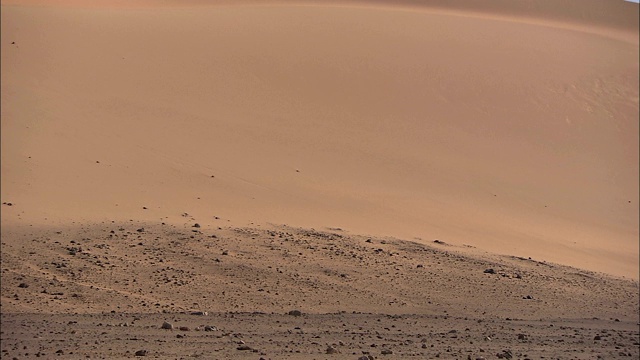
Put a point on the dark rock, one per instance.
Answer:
(522, 337)
(166, 326)
(23, 285)
(489, 271)
(331, 350)
(295, 313)
(196, 225)
(597, 337)
(184, 328)
(210, 328)
(141, 353)
(386, 352)
(440, 242)
(244, 347)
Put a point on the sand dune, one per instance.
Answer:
(509, 136)
(248, 159)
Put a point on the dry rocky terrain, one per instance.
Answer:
(105, 290)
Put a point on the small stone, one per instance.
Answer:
(331, 350)
(522, 337)
(166, 326)
(386, 352)
(597, 337)
(210, 328)
(141, 353)
(489, 271)
(184, 328)
(244, 347)
(200, 313)
(196, 225)
(295, 313)
(23, 285)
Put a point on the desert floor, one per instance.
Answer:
(418, 179)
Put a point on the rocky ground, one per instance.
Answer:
(272, 292)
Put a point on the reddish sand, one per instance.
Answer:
(514, 134)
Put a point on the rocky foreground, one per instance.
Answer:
(120, 290)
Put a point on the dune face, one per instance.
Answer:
(509, 136)
(324, 179)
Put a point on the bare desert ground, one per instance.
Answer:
(419, 179)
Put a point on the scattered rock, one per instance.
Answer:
(23, 285)
(200, 313)
(295, 313)
(196, 225)
(141, 353)
(184, 328)
(166, 326)
(597, 337)
(244, 347)
(210, 328)
(7, 203)
(489, 271)
(440, 242)
(522, 337)
(528, 297)
(386, 352)
(331, 350)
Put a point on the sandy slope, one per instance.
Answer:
(507, 135)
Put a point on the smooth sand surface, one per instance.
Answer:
(515, 137)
